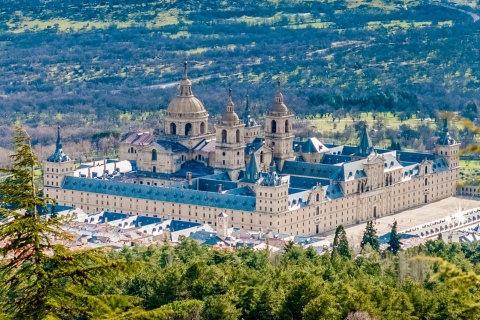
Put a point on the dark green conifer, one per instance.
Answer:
(39, 276)
(340, 243)
(370, 237)
(394, 241)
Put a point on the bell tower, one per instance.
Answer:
(230, 143)
(57, 166)
(447, 148)
(278, 130)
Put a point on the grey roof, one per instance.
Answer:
(334, 191)
(252, 171)
(311, 145)
(212, 185)
(310, 169)
(305, 183)
(439, 165)
(253, 146)
(58, 155)
(138, 138)
(333, 159)
(350, 171)
(187, 196)
(416, 157)
(171, 146)
(365, 146)
(410, 171)
(298, 199)
(205, 238)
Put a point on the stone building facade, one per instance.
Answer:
(258, 179)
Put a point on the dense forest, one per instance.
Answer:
(91, 65)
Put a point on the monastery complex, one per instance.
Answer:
(240, 175)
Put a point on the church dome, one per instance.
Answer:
(230, 116)
(186, 103)
(279, 106)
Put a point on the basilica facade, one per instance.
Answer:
(254, 178)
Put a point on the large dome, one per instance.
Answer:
(186, 103)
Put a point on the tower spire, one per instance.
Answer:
(246, 114)
(185, 70)
(279, 96)
(185, 84)
(59, 141)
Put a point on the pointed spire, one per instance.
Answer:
(279, 96)
(58, 155)
(252, 171)
(59, 141)
(445, 138)
(230, 104)
(246, 114)
(365, 146)
(230, 117)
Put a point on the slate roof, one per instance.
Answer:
(334, 191)
(416, 157)
(58, 155)
(187, 196)
(311, 145)
(172, 146)
(310, 169)
(305, 183)
(252, 171)
(440, 165)
(333, 159)
(243, 191)
(138, 138)
(212, 185)
(205, 146)
(365, 145)
(445, 138)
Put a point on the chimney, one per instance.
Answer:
(89, 174)
(189, 178)
(114, 166)
(220, 188)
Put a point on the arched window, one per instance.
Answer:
(274, 126)
(426, 169)
(154, 169)
(286, 125)
(188, 129)
(426, 181)
(224, 136)
(237, 137)
(173, 128)
(318, 199)
(261, 156)
(154, 155)
(202, 127)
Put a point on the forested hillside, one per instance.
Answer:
(114, 64)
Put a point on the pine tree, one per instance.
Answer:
(37, 275)
(340, 243)
(370, 237)
(394, 241)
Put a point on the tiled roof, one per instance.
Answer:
(187, 196)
